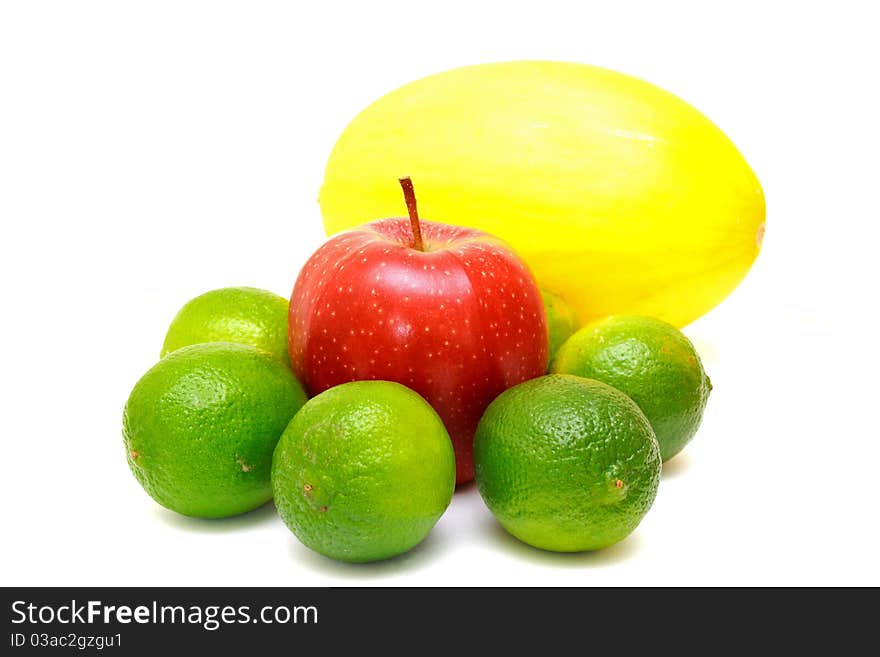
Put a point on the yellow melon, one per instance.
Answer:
(621, 197)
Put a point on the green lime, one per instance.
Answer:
(561, 322)
(364, 471)
(232, 314)
(201, 425)
(652, 362)
(566, 464)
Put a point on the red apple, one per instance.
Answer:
(451, 312)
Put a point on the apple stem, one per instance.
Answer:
(410, 195)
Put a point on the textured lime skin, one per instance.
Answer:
(561, 322)
(364, 471)
(566, 464)
(232, 314)
(652, 362)
(200, 427)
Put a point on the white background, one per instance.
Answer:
(150, 151)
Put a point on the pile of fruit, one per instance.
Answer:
(416, 355)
